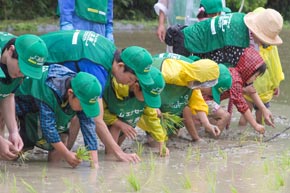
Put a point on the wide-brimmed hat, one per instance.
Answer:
(265, 25)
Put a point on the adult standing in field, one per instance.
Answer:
(20, 56)
(93, 15)
(181, 12)
(90, 52)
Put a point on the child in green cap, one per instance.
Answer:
(181, 95)
(124, 109)
(20, 56)
(53, 101)
(216, 114)
(90, 52)
(211, 8)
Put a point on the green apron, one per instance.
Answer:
(173, 98)
(216, 33)
(128, 110)
(92, 10)
(75, 45)
(39, 90)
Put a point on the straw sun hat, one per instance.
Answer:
(266, 25)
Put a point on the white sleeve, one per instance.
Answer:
(161, 5)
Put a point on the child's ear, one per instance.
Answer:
(121, 65)
(70, 91)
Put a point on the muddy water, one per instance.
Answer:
(238, 162)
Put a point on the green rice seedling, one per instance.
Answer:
(152, 162)
(278, 181)
(4, 175)
(266, 167)
(171, 123)
(243, 137)
(165, 189)
(72, 186)
(14, 187)
(82, 153)
(285, 161)
(134, 181)
(261, 145)
(211, 179)
(198, 154)
(223, 154)
(189, 153)
(140, 148)
(233, 189)
(23, 156)
(29, 187)
(163, 152)
(44, 173)
(186, 182)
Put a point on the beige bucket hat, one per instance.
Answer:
(266, 25)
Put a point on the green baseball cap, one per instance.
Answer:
(32, 53)
(87, 89)
(224, 83)
(151, 93)
(214, 6)
(140, 61)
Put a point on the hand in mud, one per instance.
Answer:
(16, 140)
(71, 159)
(129, 157)
(129, 131)
(7, 150)
(163, 152)
(268, 118)
(260, 128)
(213, 130)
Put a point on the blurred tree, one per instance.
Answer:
(247, 5)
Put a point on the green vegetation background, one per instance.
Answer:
(27, 15)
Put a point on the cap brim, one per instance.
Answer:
(251, 24)
(216, 96)
(227, 10)
(152, 101)
(145, 78)
(30, 71)
(91, 110)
